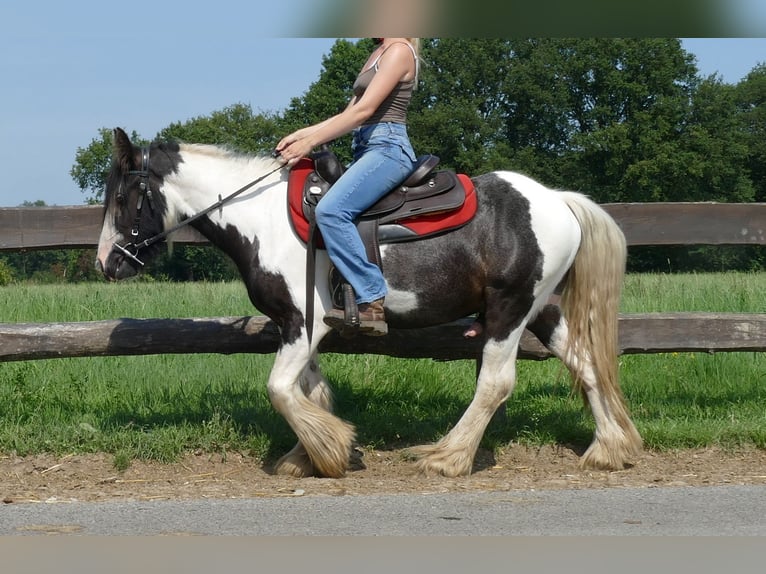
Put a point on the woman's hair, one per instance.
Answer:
(415, 42)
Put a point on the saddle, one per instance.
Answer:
(427, 203)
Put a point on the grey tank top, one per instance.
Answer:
(394, 107)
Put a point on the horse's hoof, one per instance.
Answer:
(433, 460)
(295, 464)
(355, 461)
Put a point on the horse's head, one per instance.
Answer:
(134, 206)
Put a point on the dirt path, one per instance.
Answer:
(93, 477)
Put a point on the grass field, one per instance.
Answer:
(158, 407)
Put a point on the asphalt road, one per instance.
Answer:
(662, 511)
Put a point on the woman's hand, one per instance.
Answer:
(293, 147)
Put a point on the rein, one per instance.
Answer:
(143, 173)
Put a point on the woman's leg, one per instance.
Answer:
(367, 180)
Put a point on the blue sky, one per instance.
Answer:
(66, 73)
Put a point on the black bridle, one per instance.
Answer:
(131, 250)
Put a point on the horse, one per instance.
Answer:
(526, 245)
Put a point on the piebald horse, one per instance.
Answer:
(524, 242)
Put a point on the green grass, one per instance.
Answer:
(159, 407)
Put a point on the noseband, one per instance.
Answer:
(131, 250)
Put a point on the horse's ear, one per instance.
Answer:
(123, 149)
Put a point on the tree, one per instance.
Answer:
(193, 263)
(621, 119)
(48, 265)
(751, 101)
(52, 265)
(234, 126)
(457, 112)
(7, 273)
(714, 140)
(596, 114)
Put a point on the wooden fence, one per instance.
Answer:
(642, 223)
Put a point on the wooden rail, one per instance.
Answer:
(643, 224)
(639, 333)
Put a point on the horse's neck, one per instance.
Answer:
(205, 178)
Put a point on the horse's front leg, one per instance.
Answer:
(297, 462)
(300, 394)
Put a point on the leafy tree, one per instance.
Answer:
(600, 115)
(234, 126)
(715, 139)
(457, 110)
(7, 273)
(193, 263)
(48, 265)
(52, 265)
(751, 100)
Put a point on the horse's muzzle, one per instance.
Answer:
(119, 264)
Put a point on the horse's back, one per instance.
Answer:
(522, 236)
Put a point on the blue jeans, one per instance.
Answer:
(383, 158)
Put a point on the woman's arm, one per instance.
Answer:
(395, 64)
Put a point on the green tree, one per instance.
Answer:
(621, 119)
(751, 100)
(52, 265)
(47, 265)
(457, 112)
(714, 141)
(7, 273)
(234, 126)
(598, 114)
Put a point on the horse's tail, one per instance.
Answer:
(590, 303)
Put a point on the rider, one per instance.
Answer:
(383, 158)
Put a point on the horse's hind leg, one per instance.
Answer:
(454, 454)
(616, 441)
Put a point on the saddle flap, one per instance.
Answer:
(449, 200)
(439, 183)
(314, 187)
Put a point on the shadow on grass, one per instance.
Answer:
(385, 417)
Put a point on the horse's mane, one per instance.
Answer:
(226, 153)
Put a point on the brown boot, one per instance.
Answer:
(372, 320)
